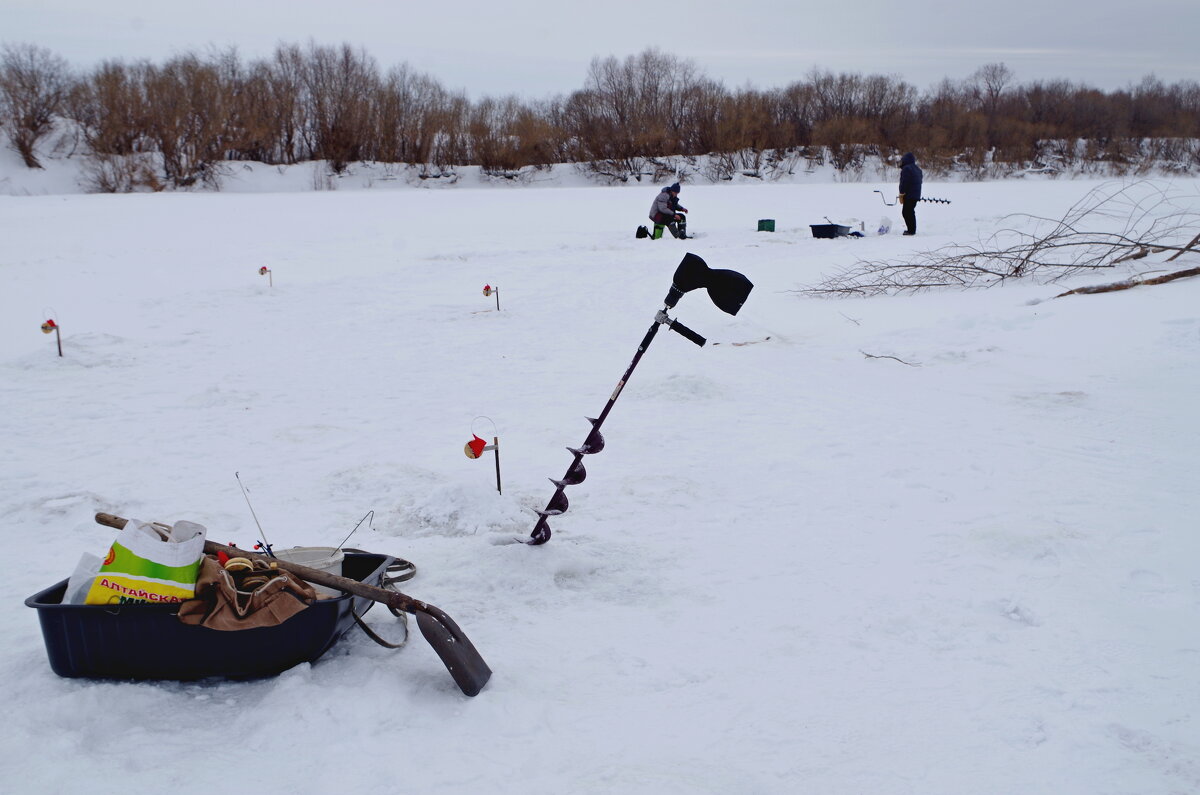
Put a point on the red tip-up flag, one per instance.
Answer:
(475, 447)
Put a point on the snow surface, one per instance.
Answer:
(794, 568)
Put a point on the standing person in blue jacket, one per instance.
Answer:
(667, 211)
(910, 191)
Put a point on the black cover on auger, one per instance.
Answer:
(727, 289)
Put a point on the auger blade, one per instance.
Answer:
(594, 442)
(558, 504)
(585, 448)
(576, 474)
(540, 534)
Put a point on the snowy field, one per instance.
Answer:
(970, 568)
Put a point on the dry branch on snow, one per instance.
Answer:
(1127, 283)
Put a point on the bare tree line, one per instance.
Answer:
(177, 122)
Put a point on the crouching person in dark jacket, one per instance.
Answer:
(910, 191)
(666, 211)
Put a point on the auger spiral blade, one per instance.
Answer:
(540, 534)
(576, 474)
(594, 442)
(558, 504)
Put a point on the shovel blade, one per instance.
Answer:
(456, 651)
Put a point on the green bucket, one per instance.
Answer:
(766, 224)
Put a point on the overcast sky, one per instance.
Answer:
(539, 48)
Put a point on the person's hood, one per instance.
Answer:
(908, 159)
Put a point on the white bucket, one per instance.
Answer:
(325, 559)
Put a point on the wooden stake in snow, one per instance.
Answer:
(50, 326)
(265, 271)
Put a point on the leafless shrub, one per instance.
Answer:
(450, 141)
(110, 108)
(724, 166)
(34, 84)
(120, 174)
(339, 86)
(530, 139)
(784, 162)
(190, 104)
(285, 81)
(492, 137)
(618, 169)
(264, 119)
(322, 178)
(406, 108)
(1112, 224)
(846, 139)
(741, 131)
(632, 110)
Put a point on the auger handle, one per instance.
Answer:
(686, 332)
